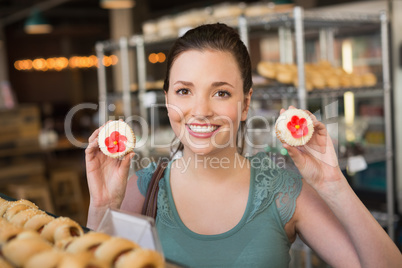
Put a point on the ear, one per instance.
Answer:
(247, 100)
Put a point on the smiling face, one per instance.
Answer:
(205, 100)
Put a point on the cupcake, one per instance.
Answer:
(294, 127)
(116, 139)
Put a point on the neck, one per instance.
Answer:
(220, 164)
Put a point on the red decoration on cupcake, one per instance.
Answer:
(116, 143)
(298, 127)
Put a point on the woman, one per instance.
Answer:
(217, 208)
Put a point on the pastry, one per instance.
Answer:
(80, 260)
(149, 28)
(109, 251)
(369, 79)
(227, 10)
(4, 263)
(28, 234)
(45, 259)
(345, 80)
(62, 244)
(317, 80)
(14, 209)
(88, 242)
(4, 207)
(294, 127)
(285, 76)
(8, 231)
(166, 27)
(139, 258)
(22, 217)
(356, 80)
(18, 251)
(116, 139)
(37, 222)
(61, 228)
(308, 84)
(2, 200)
(258, 9)
(266, 69)
(333, 82)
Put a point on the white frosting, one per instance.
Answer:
(284, 133)
(123, 129)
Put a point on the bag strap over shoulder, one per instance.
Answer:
(150, 204)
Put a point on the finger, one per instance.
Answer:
(320, 128)
(292, 107)
(312, 116)
(94, 135)
(92, 146)
(282, 111)
(126, 161)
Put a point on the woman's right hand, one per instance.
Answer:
(107, 177)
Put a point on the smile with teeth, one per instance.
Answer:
(203, 129)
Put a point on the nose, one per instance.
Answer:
(202, 107)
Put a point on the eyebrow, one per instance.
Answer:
(214, 84)
(184, 83)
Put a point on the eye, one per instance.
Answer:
(223, 94)
(183, 91)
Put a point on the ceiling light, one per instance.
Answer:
(36, 24)
(117, 4)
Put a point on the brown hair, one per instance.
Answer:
(218, 37)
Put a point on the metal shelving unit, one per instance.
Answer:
(290, 24)
(294, 24)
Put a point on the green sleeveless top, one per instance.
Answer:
(258, 240)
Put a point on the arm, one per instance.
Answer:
(133, 199)
(107, 180)
(320, 229)
(317, 162)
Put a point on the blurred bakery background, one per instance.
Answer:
(68, 65)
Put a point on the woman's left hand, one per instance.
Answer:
(316, 160)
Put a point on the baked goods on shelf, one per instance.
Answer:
(62, 243)
(321, 75)
(227, 10)
(149, 85)
(294, 127)
(116, 139)
(166, 28)
(259, 9)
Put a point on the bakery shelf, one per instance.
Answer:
(315, 20)
(274, 92)
(371, 155)
(277, 92)
(319, 93)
